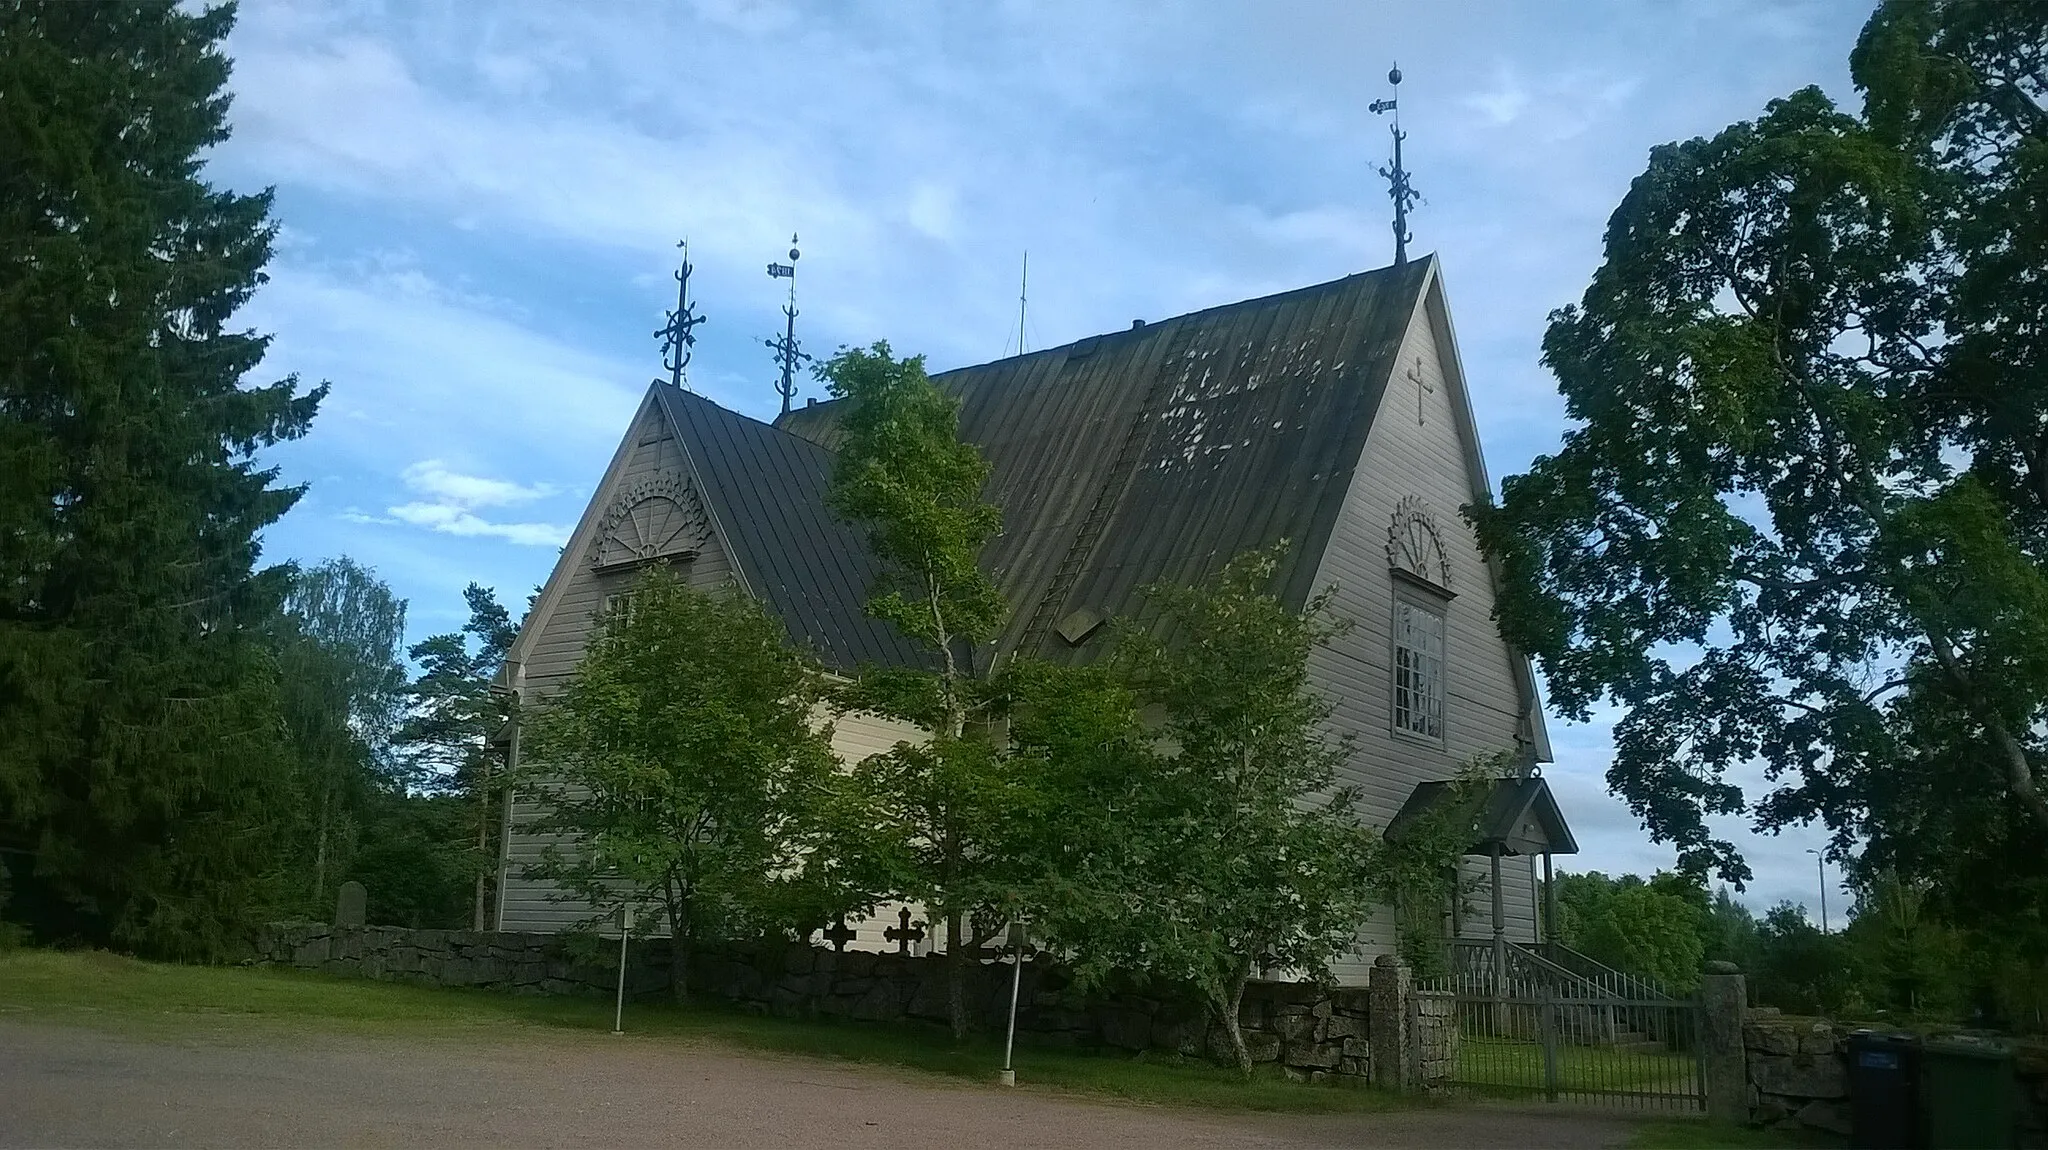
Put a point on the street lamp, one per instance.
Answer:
(1018, 939)
(1821, 861)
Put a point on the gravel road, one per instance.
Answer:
(64, 1086)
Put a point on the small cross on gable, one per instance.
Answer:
(903, 934)
(1422, 384)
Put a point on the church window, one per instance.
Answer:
(1418, 669)
(1422, 590)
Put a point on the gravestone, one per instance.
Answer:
(838, 934)
(903, 934)
(351, 904)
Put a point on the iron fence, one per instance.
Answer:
(1563, 1037)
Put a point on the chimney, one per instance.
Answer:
(1136, 324)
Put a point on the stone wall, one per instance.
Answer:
(1799, 1075)
(1314, 1034)
(1798, 1071)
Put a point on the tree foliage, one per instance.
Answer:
(1231, 848)
(680, 758)
(455, 717)
(342, 688)
(904, 475)
(139, 732)
(1802, 519)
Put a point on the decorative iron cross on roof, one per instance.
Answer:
(679, 333)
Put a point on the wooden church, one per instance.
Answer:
(1336, 416)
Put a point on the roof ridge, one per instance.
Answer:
(1417, 267)
(764, 424)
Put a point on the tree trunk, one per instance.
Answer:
(679, 945)
(1234, 1030)
(320, 846)
(956, 976)
(679, 968)
(483, 840)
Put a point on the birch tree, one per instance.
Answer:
(904, 475)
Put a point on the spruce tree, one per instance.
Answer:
(140, 753)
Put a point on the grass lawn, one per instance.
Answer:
(1513, 1064)
(103, 990)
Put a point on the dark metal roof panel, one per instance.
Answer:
(1201, 436)
(1519, 815)
(768, 492)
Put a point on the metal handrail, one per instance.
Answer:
(1593, 979)
(1641, 987)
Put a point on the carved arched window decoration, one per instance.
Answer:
(1415, 547)
(656, 519)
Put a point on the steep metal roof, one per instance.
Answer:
(1160, 452)
(766, 492)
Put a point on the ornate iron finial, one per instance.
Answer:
(679, 334)
(1398, 187)
(787, 352)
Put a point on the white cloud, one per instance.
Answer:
(451, 519)
(433, 477)
(456, 498)
(1502, 105)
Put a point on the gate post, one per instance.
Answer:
(1396, 1062)
(1546, 1024)
(1723, 999)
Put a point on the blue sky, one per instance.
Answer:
(480, 203)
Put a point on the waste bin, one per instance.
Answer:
(1966, 1094)
(1883, 1096)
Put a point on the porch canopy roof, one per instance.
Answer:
(1515, 816)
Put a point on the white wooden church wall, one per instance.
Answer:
(531, 905)
(1415, 449)
(528, 904)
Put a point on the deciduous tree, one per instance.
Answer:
(904, 475)
(1233, 849)
(342, 688)
(1802, 519)
(679, 761)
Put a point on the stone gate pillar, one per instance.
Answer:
(1724, 998)
(1396, 1060)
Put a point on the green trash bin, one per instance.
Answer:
(1967, 1094)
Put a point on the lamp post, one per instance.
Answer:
(1017, 940)
(1821, 862)
(625, 932)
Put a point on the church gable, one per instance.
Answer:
(648, 509)
(1423, 681)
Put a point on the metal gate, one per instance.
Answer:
(1510, 1022)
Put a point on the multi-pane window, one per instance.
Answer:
(1418, 670)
